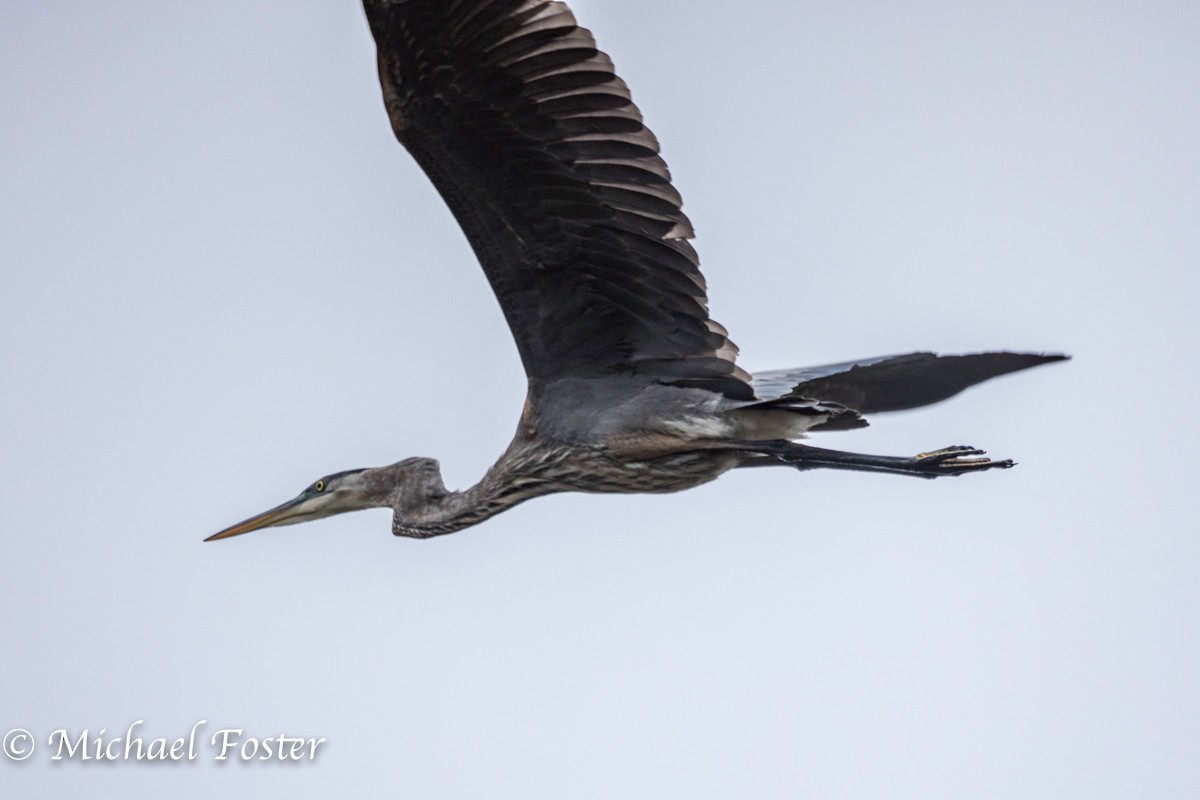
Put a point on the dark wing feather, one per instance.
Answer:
(543, 158)
(893, 383)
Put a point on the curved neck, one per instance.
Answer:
(434, 510)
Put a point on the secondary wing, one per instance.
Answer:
(893, 383)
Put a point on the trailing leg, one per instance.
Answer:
(954, 460)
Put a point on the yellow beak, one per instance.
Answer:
(286, 514)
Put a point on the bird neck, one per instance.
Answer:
(433, 509)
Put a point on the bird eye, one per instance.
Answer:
(319, 486)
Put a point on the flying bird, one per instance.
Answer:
(539, 151)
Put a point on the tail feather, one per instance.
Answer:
(892, 383)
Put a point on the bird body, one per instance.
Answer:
(539, 152)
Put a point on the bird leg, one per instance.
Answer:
(954, 460)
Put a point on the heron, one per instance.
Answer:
(536, 146)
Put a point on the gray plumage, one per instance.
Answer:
(539, 152)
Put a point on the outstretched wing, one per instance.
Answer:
(536, 146)
(893, 383)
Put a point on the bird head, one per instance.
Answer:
(410, 483)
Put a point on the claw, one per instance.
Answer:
(952, 450)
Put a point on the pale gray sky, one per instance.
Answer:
(224, 279)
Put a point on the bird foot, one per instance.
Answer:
(954, 460)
